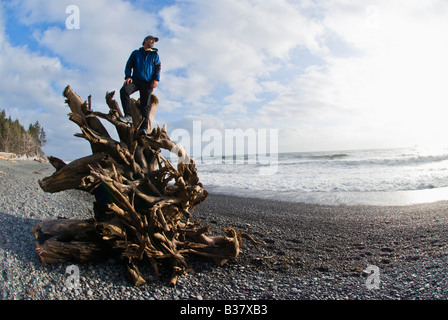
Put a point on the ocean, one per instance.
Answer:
(401, 176)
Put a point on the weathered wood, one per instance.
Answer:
(143, 204)
(64, 240)
(75, 175)
(57, 163)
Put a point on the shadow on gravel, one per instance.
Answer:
(16, 236)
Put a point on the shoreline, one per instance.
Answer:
(12, 157)
(363, 198)
(374, 198)
(310, 251)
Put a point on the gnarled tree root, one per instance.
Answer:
(143, 204)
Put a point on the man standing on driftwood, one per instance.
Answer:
(142, 73)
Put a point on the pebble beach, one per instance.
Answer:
(309, 252)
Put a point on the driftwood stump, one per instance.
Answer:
(143, 204)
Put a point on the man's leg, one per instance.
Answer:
(145, 101)
(125, 95)
(152, 113)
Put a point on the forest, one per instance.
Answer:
(14, 138)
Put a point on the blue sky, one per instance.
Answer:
(328, 75)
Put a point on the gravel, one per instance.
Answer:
(310, 252)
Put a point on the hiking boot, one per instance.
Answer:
(125, 119)
(143, 132)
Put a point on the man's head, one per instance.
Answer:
(149, 41)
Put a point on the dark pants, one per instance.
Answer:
(145, 89)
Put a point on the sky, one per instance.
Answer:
(326, 75)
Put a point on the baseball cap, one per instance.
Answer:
(150, 37)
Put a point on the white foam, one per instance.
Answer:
(360, 177)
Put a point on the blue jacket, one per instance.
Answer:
(143, 65)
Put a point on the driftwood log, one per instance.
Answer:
(143, 205)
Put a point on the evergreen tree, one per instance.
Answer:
(15, 139)
(38, 134)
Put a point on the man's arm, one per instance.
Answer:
(129, 67)
(157, 68)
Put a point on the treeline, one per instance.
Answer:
(15, 139)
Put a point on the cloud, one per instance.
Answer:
(27, 87)
(232, 44)
(99, 49)
(90, 59)
(213, 53)
(386, 89)
(331, 74)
